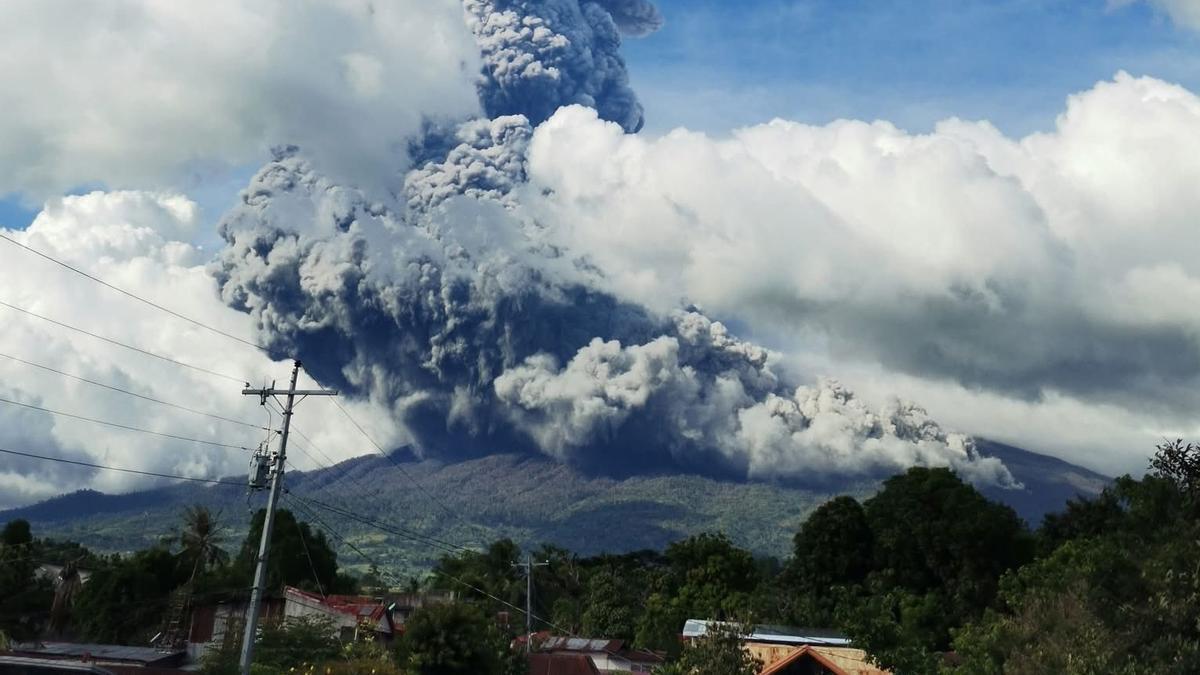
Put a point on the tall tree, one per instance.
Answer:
(299, 556)
(453, 639)
(24, 596)
(490, 570)
(124, 601)
(706, 577)
(834, 548)
(1118, 593)
(199, 541)
(939, 550)
(718, 652)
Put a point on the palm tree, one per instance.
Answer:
(199, 540)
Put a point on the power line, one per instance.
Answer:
(308, 513)
(122, 344)
(451, 577)
(121, 469)
(403, 471)
(391, 529)
(311, 566)
(134, 394)
(120, 426)
(130, 294)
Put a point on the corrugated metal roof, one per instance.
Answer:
(768, 633)
(23, 664)
(359, 606)
(575, 644)
(145, 655)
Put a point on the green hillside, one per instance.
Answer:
(532, 500)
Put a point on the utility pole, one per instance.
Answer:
(529, 565)
(260, 570)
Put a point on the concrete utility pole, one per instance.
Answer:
(529, 565)
(260, 570)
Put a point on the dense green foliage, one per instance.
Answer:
(24, 598)
(125, 600)
(1117, 591)
(456, 639)
(718, 652)
(300, 556)
(925, 567)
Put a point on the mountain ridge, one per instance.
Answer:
(529, 498)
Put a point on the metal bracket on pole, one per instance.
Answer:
(264, 546)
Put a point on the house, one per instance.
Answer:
(815, 660)
(24, 665)
(607, 656)
(54, 573)
(785, 650)
(561, 664)
(215, 622)
(404, 604)
(350, 614)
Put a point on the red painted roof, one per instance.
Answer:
(358, 606)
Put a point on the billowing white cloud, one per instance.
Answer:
(522, 287)
(140, 93)
(1060, 264)
(135, 240)
(1185, 13)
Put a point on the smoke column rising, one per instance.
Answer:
(442, 300)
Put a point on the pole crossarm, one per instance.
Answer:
(264, 547)
(528, 565)
(298, 392)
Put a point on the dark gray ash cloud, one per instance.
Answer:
(442, 301)
(480, 339)
(539, 55)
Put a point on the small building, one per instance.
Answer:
(404, 604)
(608, 656)
(349, 614)
(561, 664)
(785, 650)
(54, 572)
(24, 665)
(216, 621)
(114, 658)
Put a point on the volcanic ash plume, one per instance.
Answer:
(539, 56)
(482, 340)
(447, 302)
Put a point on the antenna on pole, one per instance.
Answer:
(257, 482)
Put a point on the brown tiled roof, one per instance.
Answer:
(561, 664)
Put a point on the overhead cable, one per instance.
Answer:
(120, 426)
(134, 394)
(131, 294)
(391, 529)
(104, 467)
(122, 344)
(449, 576)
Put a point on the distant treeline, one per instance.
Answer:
(927, 575)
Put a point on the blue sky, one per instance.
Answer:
(717, 64)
